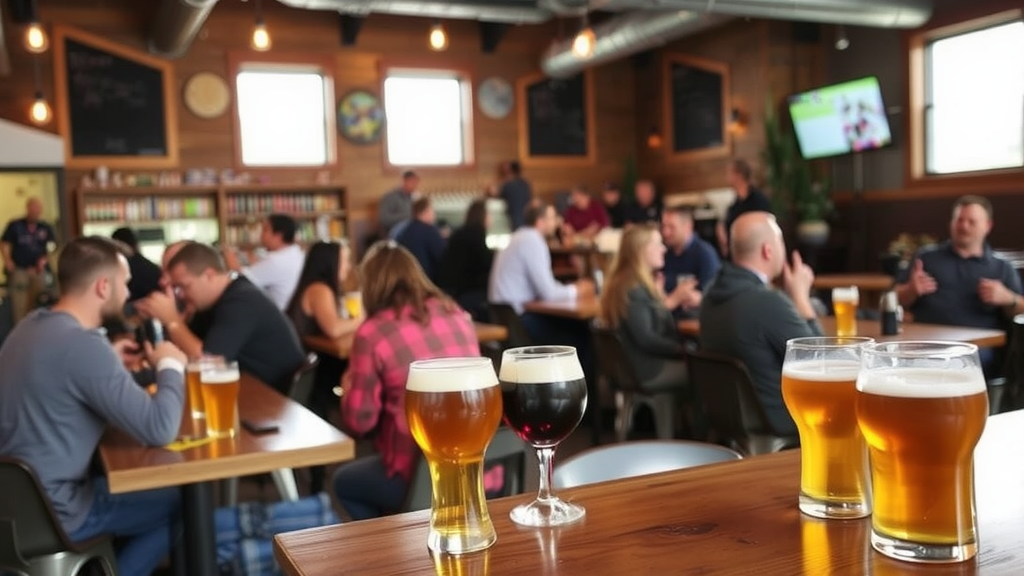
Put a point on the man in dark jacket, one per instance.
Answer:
(421, 237)
(743, 316)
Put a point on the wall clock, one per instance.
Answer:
(495, 98)
(207, 95)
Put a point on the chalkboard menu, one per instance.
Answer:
(697, 94)
(556, 119)
(115, 107)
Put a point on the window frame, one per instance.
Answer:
(241, 61)
(466, 80)
(917, 176)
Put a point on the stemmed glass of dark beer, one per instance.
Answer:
(544, 396)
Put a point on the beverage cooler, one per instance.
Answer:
(156, 221)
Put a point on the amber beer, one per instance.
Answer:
(454, 406)
(844, 304)
(220, 399)
(921, 424)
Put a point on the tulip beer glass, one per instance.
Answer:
(819, 385)
(544, 395)
(922, 408)
(453, 406)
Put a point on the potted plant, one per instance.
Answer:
(794, 190)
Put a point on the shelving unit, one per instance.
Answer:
(230, 214)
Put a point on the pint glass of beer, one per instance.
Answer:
(844, 303)
(922, 407)
(193, 390)
(453, 406)
(544, 395)
(819, 385)
(219, 384)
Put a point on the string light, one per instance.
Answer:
(438, 38)
(260, 36)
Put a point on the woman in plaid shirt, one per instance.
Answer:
(408, 318)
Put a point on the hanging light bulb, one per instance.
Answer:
(842, 41)
(260, 37)
(583, 43)
(36, 40)
(438, 38)
(40, 113)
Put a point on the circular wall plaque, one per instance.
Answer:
(360, 117)
(495, 97)
(207, 95)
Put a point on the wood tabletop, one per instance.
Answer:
(304, 439)
(868, 281)
(342, 347)
(735, 518)
(981, 337)
(580, 309)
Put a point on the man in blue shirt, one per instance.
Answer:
(686, 254)
(422, 238)
(26, 244)
(961, 282)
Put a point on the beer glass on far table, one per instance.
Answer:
(453, 406)
(544, 395)
(220, 384)
(922, 408)
(844, 303)
(819, 385)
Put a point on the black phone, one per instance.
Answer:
(260, 427)
(149, 330)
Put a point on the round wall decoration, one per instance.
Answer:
(207, 95)
(360, 117)
(495, 97)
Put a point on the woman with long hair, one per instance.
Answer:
(407, 318)
(634, 306)
(314, 306)
(466, 264)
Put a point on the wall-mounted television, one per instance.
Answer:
(840, 119)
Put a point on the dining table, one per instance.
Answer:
(584, 309)
(302, 439)
(980, 337)
(342, 347)
(733, 518)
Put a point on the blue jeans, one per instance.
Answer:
(366, 491)
(144, 522)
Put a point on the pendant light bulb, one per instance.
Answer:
(438, 38)
(36, 40)
(260, 37)
(583, 43)
(40, 113)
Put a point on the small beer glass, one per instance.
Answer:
(844, 304)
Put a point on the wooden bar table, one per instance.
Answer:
(304, 439)
(980, 337)
(342, 347)
(584, 309)
(735, 518)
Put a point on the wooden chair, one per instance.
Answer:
(629, 459)
(505, 315)
(32, 540)
(723, 387)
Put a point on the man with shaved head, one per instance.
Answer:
(25, 245)
(744, 316)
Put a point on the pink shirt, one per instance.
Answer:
(382, 349)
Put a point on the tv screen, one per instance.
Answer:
(840, 119)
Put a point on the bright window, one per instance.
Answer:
(284, 117)
(974, 100)
(427, 119)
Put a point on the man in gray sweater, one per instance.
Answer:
(743, 316)
(62, 383)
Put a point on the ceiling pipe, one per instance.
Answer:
(176, 25)
(482, 10)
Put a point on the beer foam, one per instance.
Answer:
(822, 370)
(542, 370)
(219, 376)
(451, 375)
(922, 382)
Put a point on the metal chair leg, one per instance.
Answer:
(284, 480)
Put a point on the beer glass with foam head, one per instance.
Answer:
(453, 406)
(219, 384)
(922, 408)
(819, 385)
(544, 395)
(844, 304)
(193, 389)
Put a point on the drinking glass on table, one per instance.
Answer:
(819, 386)
(844, 303)
(544, 395)
(220, 384)
(922, 408)
(193, 388)
(453, 406)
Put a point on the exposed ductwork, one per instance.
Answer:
(176, 24)
(667, 20)
(506, 11)
(626, 35)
